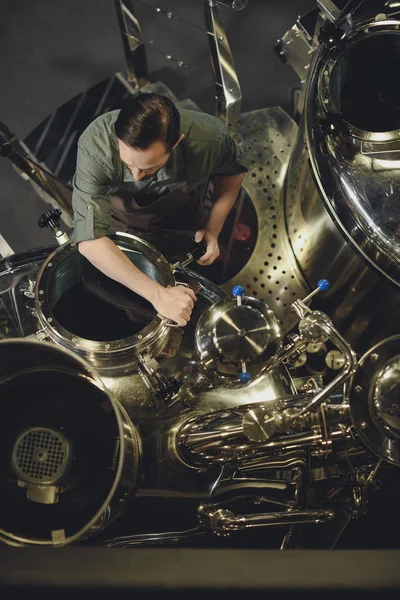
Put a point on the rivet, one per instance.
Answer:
(221, 38)
(158, 259)
(374, 356)
(107, 345)
(326, 73)
(74, 339)
(358, 388)
(387, 452)
(49, 320)
(50, 265)
(140, 337)
(41, 292)
(326, 101)
(364, 425)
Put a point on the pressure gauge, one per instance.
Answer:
(335, 360)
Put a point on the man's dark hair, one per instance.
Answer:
(148, 118)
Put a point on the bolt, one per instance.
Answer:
(374, 356)
(364, 425)
(158, 259)
(387, 452)
(107, 345)
(50, 265)
(358, 388)
(140, 337)
(49, 320)
(326, 100)
(325, 72)
(74, 339)
(41, 292)
(221, 38)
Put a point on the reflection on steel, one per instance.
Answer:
(228, 94)
(374, 399)
(329, 9)
(26, 362)
(62, 270)
(5, 248)
(228, 335)
(285, 449)
(351, 154)
(272, 273)
(223, 522)
(133, 43)
(235, 4)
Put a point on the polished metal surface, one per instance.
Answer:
(356, 183)
(222, 522)
(374, 399)
(271, 274)
(59, 524)
(17, 275)
(228, 94)
(61, 271)
(229, 335)
(341, 187)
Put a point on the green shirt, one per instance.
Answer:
(208, 149)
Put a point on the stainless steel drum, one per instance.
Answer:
(82, 310)
(374, 400)
(69, 454)
(343, 184)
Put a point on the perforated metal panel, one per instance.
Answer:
(271, 274)
(40, 455)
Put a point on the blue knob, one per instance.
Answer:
(323, 285)
(245, 376)
(238, 290)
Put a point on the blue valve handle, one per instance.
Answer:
(323, 285)
(238, 290)
(244, 377)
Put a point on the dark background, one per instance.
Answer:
(51, 50)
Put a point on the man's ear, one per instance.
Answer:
(179, 141)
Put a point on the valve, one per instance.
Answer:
(51, 219)
(238, 292)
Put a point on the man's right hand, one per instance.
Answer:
(175, 303)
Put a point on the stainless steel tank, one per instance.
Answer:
(69, 454)
(343, 184)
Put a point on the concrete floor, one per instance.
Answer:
(51, 51)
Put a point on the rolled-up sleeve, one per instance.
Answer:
(91, 198)
(229, 160)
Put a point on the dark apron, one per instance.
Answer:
(168, 223)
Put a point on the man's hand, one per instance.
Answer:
(212, 251)
(175, 303)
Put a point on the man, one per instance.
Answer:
(139, 170)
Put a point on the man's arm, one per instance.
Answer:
(174, 303)
(226, 189)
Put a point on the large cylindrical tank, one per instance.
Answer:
(343, 185)
(69, 454)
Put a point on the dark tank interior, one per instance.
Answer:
(89, 304)
(365, 83)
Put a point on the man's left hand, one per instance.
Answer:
(212, 251)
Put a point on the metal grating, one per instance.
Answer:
(271, 274)
(40, 455)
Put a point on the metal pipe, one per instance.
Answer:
(348, 369)
(222, 521)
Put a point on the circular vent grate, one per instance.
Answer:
(40, 455)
